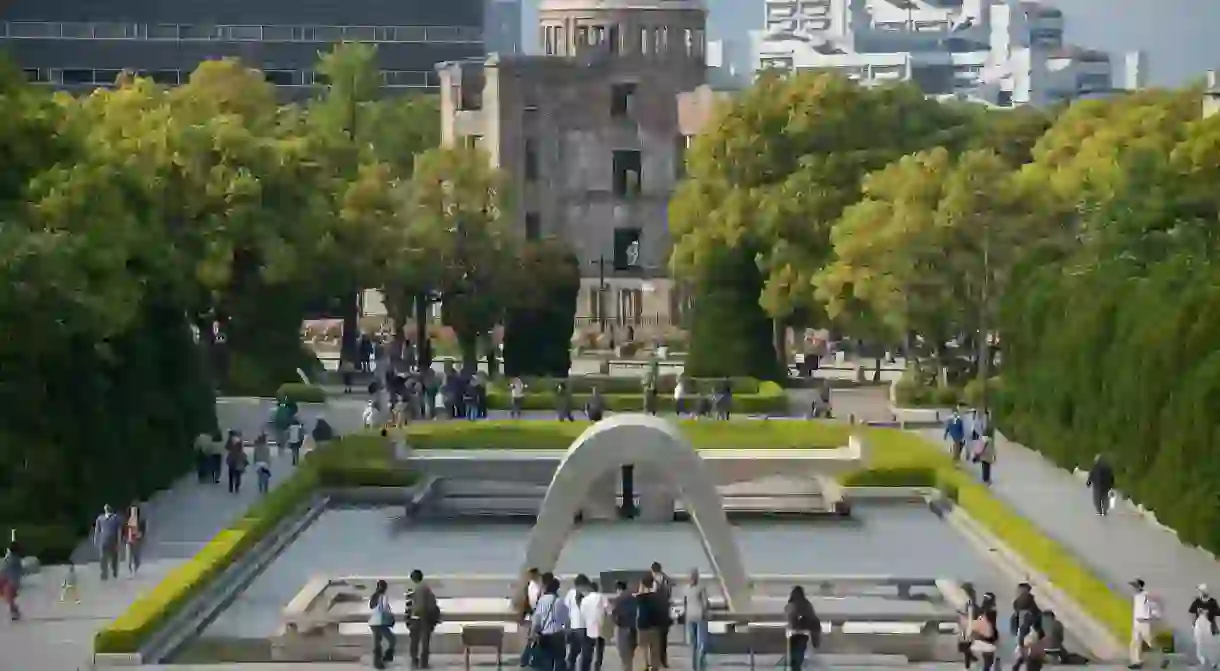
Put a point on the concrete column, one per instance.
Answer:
(602, 502)
(657, 505)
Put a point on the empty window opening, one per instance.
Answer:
(622, 100)
(613, 40)
(531, 160)
(627, 173)
(533, 226)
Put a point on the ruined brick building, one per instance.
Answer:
(592, 135)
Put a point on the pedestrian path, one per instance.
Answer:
(181, 520)
(1119, 547)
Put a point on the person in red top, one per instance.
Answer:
(135, 526)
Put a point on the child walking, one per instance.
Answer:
(69, 590)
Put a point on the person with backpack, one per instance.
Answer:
(803, 627)
(651, 618)
(381, 621)
(985, 634)
(547, 627)
(1205, 610)
(425, 615)
(623, 614)
(296, 438)
(665, 594)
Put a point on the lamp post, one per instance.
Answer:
(602, 288)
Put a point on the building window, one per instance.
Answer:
(472, 141)
(612, 40)
(622, 100)
(626, 248)
(77, 76)
(645, 40)
(280, 77)
(533, 226)
(531, 160)
(561, 46)
(663, 40)
(626, 173)
(582, 36)
(165, 77)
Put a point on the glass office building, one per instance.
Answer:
(81, 44)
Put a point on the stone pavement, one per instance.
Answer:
(56, 636)
(1119, 547)
(677, 663)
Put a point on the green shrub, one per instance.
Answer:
(300, 392)
(555, 435)
(911, 392)
(769, 398)
(352, 461)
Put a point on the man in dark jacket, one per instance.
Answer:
(623, 612)
(424, 614)
(1101, 479)
(651, 618)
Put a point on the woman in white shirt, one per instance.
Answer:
(680, 395)
(517, 390)
(695, 606)
(594, 610)
(576, 623)
(381, 621)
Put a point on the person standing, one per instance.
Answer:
(1101, 480)
(576, 622)
(381, 622)
(1205, 610)
(968, 612)
(680, 394)
(107, 531)
(296, 438)
(533, 591)
(594, 611)
(563, 402)
(695, 607)
(1145, 611)
(236, 461)
(665, 594)
(135, 527)
(650, 619)
(216, 457)
(984, 454)
(547, 626)
(955, 432)
(425, 615)
(11, 573)
(623, 614)
(517, 391)
(803, 627)
(595, 407)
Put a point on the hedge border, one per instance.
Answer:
(770, 400)
(340, 463)
(897, 457)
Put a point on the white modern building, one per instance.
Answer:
(1004, 52)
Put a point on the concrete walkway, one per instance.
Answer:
(1119, 547)
(181, 520)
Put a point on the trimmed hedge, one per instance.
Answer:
(611, 384)
(769, 399)
(900, 458)
(351, 461)
(554, 435)
(300, 392)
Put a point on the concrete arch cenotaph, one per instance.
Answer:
(635, 439)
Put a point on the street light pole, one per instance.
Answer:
(601, 292)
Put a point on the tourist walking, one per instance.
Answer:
(262, 463)
(547, 627)
(203, 452)
(563, 402)
(968, 612)
(135, 528)
(984, 455)
(695, 607)
(595, 407)
(985, 634)
(516, 390)
(11, 573)
(1101, 480)
(650, 395)
(1026, 619)
(236, 461)
(296, 438)
(665, 594)
(576, 622)
(955, 433)
(216, 457)
(534, 586)
(1205, 610)
(107, 532)
(724, 400)
(680, 394)
(803, 627)
(425, 615)
(1145, 612)
(623, 615)
(650, 619)
(594, 612)
(381, 621)
(68, 589)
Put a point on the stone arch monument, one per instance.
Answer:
(633, 439)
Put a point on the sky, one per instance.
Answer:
(1179, 36)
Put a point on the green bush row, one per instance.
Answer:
(770, 399)
(899, 458)
(300, 392)
(665, 384)
(912, 393)
(351, 461)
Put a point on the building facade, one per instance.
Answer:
(82, 44)
(592, 135)
(502, 27)
(1003, 52)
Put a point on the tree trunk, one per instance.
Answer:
(351, 327)
(493, 361)
(423, 346)
(877, 370)
(780, 343)
(468, 343)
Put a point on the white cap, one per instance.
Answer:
(1202, 587)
